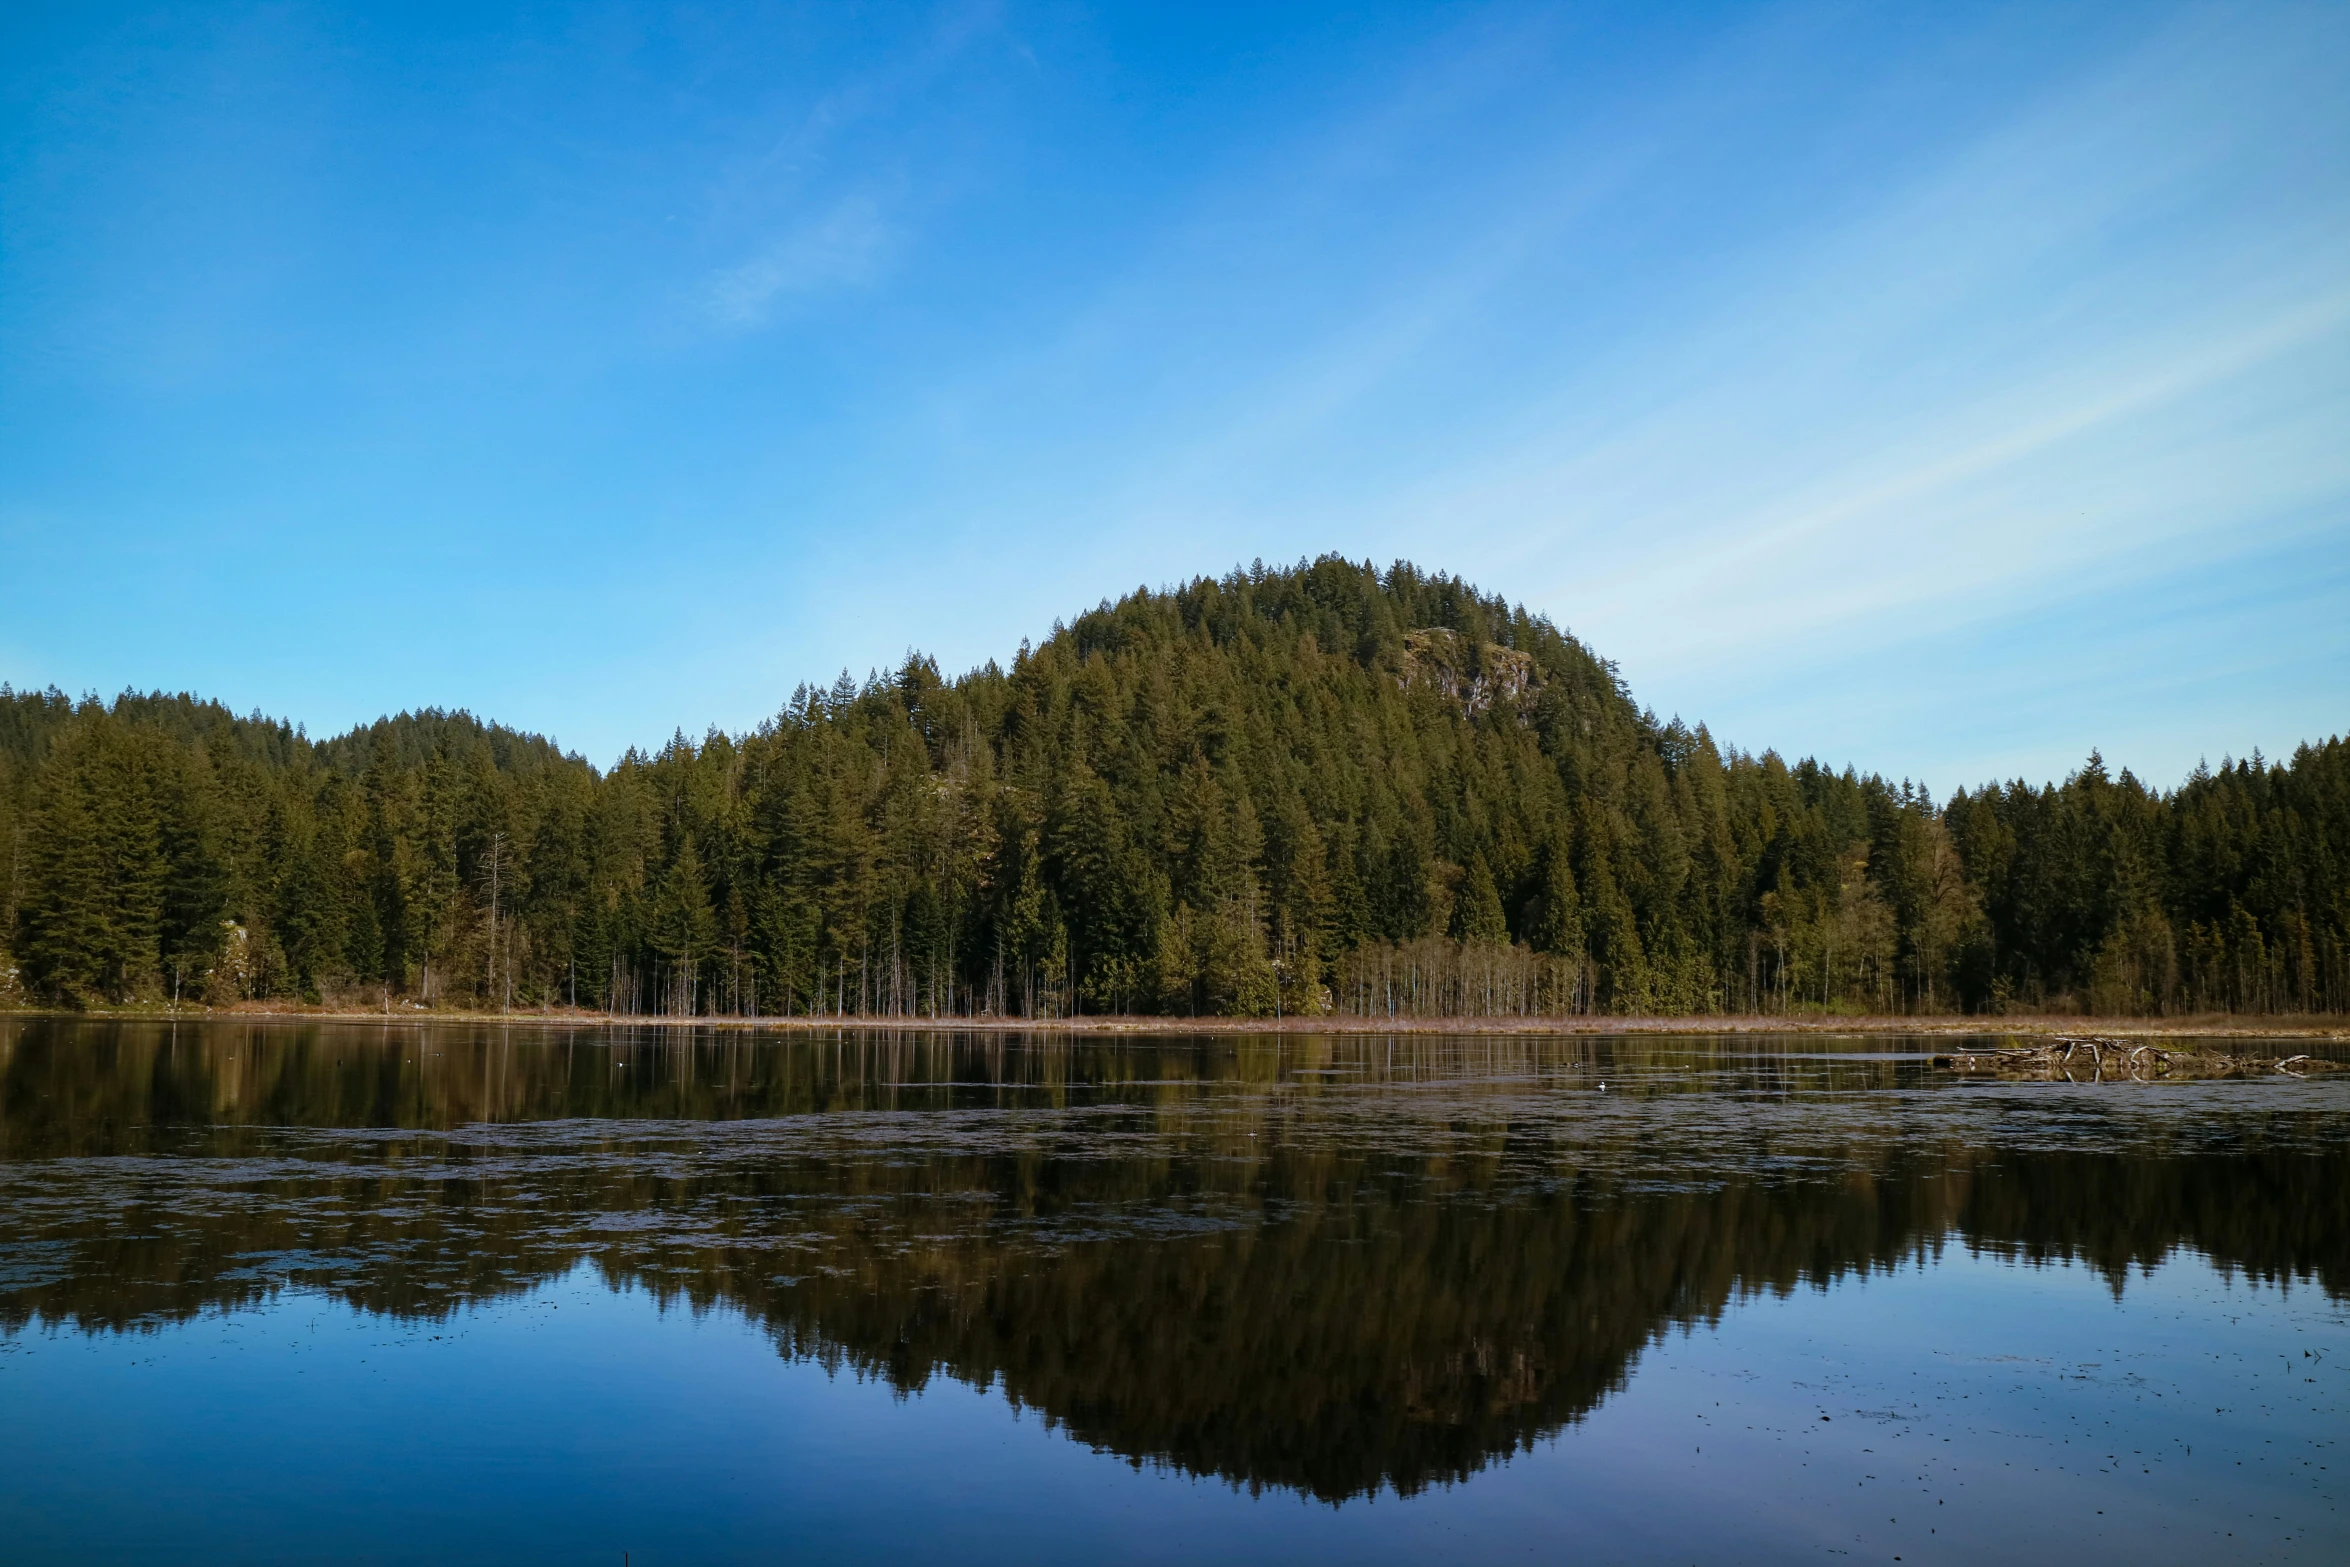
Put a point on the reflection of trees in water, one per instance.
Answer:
(1214, 1258)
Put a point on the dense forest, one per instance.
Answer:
(1289, 791)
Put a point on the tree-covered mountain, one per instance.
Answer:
(1316, 789)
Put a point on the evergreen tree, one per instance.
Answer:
(1269, 792)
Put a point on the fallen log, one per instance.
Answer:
(2113, 1059)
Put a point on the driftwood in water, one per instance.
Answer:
(2082, 1058)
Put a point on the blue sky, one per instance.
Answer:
(1946, 390)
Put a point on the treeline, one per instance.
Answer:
(1312, 790)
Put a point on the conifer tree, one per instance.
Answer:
(1267, 792)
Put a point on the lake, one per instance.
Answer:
(280, 1291)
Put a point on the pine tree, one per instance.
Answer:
(1240, 794)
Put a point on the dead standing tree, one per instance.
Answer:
(501, 968)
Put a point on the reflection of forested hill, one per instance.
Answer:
(1205, 1256)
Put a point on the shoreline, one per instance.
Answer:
(2217, 1025)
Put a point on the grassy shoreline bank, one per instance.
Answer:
(2206, 1026)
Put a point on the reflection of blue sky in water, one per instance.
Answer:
(574, 1422)
(471, 1279)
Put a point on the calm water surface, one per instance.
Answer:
(296, 1292)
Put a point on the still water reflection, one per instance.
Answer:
(1351, 1270)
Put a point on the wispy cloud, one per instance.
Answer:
(845, 248)
(2047, 354)
(846, 136)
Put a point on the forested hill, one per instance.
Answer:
(1322, 788)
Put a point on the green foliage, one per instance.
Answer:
(1280, 792)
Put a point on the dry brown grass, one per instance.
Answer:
(2207, 1025)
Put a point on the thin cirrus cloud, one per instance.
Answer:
(2097, 341)
(846, 247)
(852, 240)
(1938, 391)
